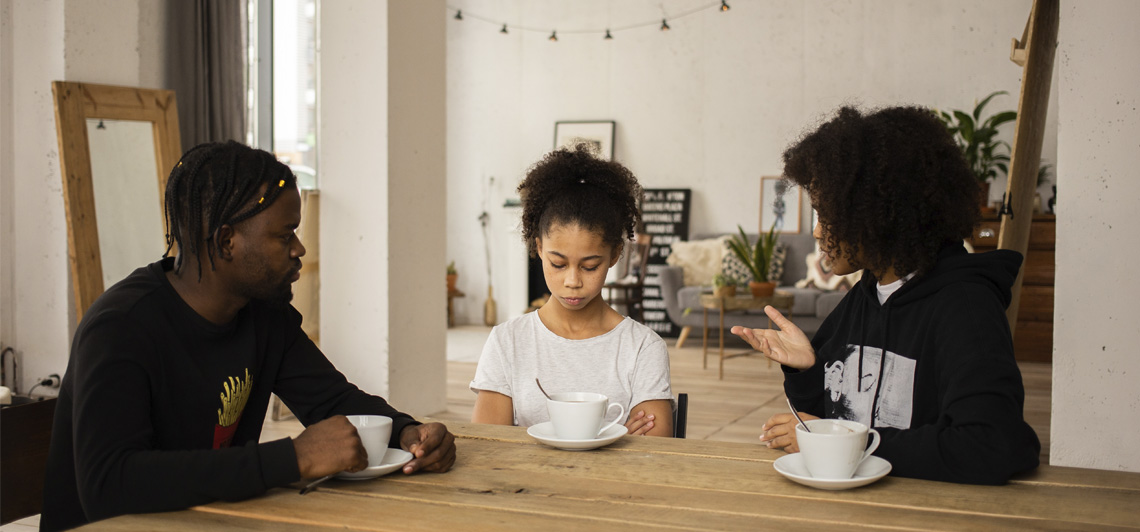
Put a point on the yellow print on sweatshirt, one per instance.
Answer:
(233, 399)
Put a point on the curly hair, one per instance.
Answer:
(575, 187)
(890, 186)
(218, 184)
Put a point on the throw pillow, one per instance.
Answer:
(819, 275)
(732, 266)
(700, 259)
(776, 269)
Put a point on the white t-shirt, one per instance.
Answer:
(886, 290)
(629, 364)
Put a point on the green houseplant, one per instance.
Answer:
(757, 258)
(452, 277)
(724, 285)
(977, 138)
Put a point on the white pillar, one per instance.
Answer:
(1095, 367)
(381, 172)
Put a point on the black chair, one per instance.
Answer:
(681, 415)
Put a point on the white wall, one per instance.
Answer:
(44, 41)
(709, 105)
(381, 110)
(1096, 370)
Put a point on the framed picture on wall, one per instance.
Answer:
(598, 134)
(779, 204)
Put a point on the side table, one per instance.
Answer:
(782, 301)
(452, 294)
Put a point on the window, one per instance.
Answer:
(282, 83)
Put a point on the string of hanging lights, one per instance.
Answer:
(607, 33)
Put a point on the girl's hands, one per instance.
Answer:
(780, 431)
(788, 345)
(640, 424)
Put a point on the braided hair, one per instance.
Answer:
(574, 187)
(218, 184)
(891, 186)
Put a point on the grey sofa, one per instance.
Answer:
(811, 306)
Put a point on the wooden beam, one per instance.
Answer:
(1040, 46)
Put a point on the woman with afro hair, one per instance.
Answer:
(920, 349)
(578, 212)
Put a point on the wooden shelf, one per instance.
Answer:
(1033, 333)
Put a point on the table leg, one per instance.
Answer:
(450, 312)
(722, 339)
(705, 342)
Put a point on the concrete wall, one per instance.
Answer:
(382, 188)
(43, 41)
(709, 105)
(1096, 370)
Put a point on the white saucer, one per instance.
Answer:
(792, 467)
(393, 459)
(544, 432)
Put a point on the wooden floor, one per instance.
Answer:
(728, 410)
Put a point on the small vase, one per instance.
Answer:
(765, 289)
(451, 279)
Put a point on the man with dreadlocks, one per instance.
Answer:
(171, 369)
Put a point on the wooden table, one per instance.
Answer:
(782, 301)
(504, 480)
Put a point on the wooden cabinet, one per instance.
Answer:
(1033, 334)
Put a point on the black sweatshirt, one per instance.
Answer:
(161, 409)
(950, 400)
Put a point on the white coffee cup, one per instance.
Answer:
(835, 447)
(579, 415)
(374, 431)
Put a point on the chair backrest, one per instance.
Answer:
(637, 256)
(681, 415)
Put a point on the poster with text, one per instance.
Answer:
(665, 214)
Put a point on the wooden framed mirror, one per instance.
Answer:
(116, 148)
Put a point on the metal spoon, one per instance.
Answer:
(312, 485)
(794, 413)
(540, 388)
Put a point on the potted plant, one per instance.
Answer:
(452, 276)
(724, 285)
(977, 138)
(757, 258)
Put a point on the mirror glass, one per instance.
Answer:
(127, 198)
(116, 147)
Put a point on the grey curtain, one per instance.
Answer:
(205, 66)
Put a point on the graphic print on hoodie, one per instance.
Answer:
(852, 392)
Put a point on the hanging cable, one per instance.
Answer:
(606, 33)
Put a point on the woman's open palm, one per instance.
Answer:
(788, 345)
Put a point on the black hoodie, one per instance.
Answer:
(950, 404)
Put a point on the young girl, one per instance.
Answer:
(920, 348)
(578, 211)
